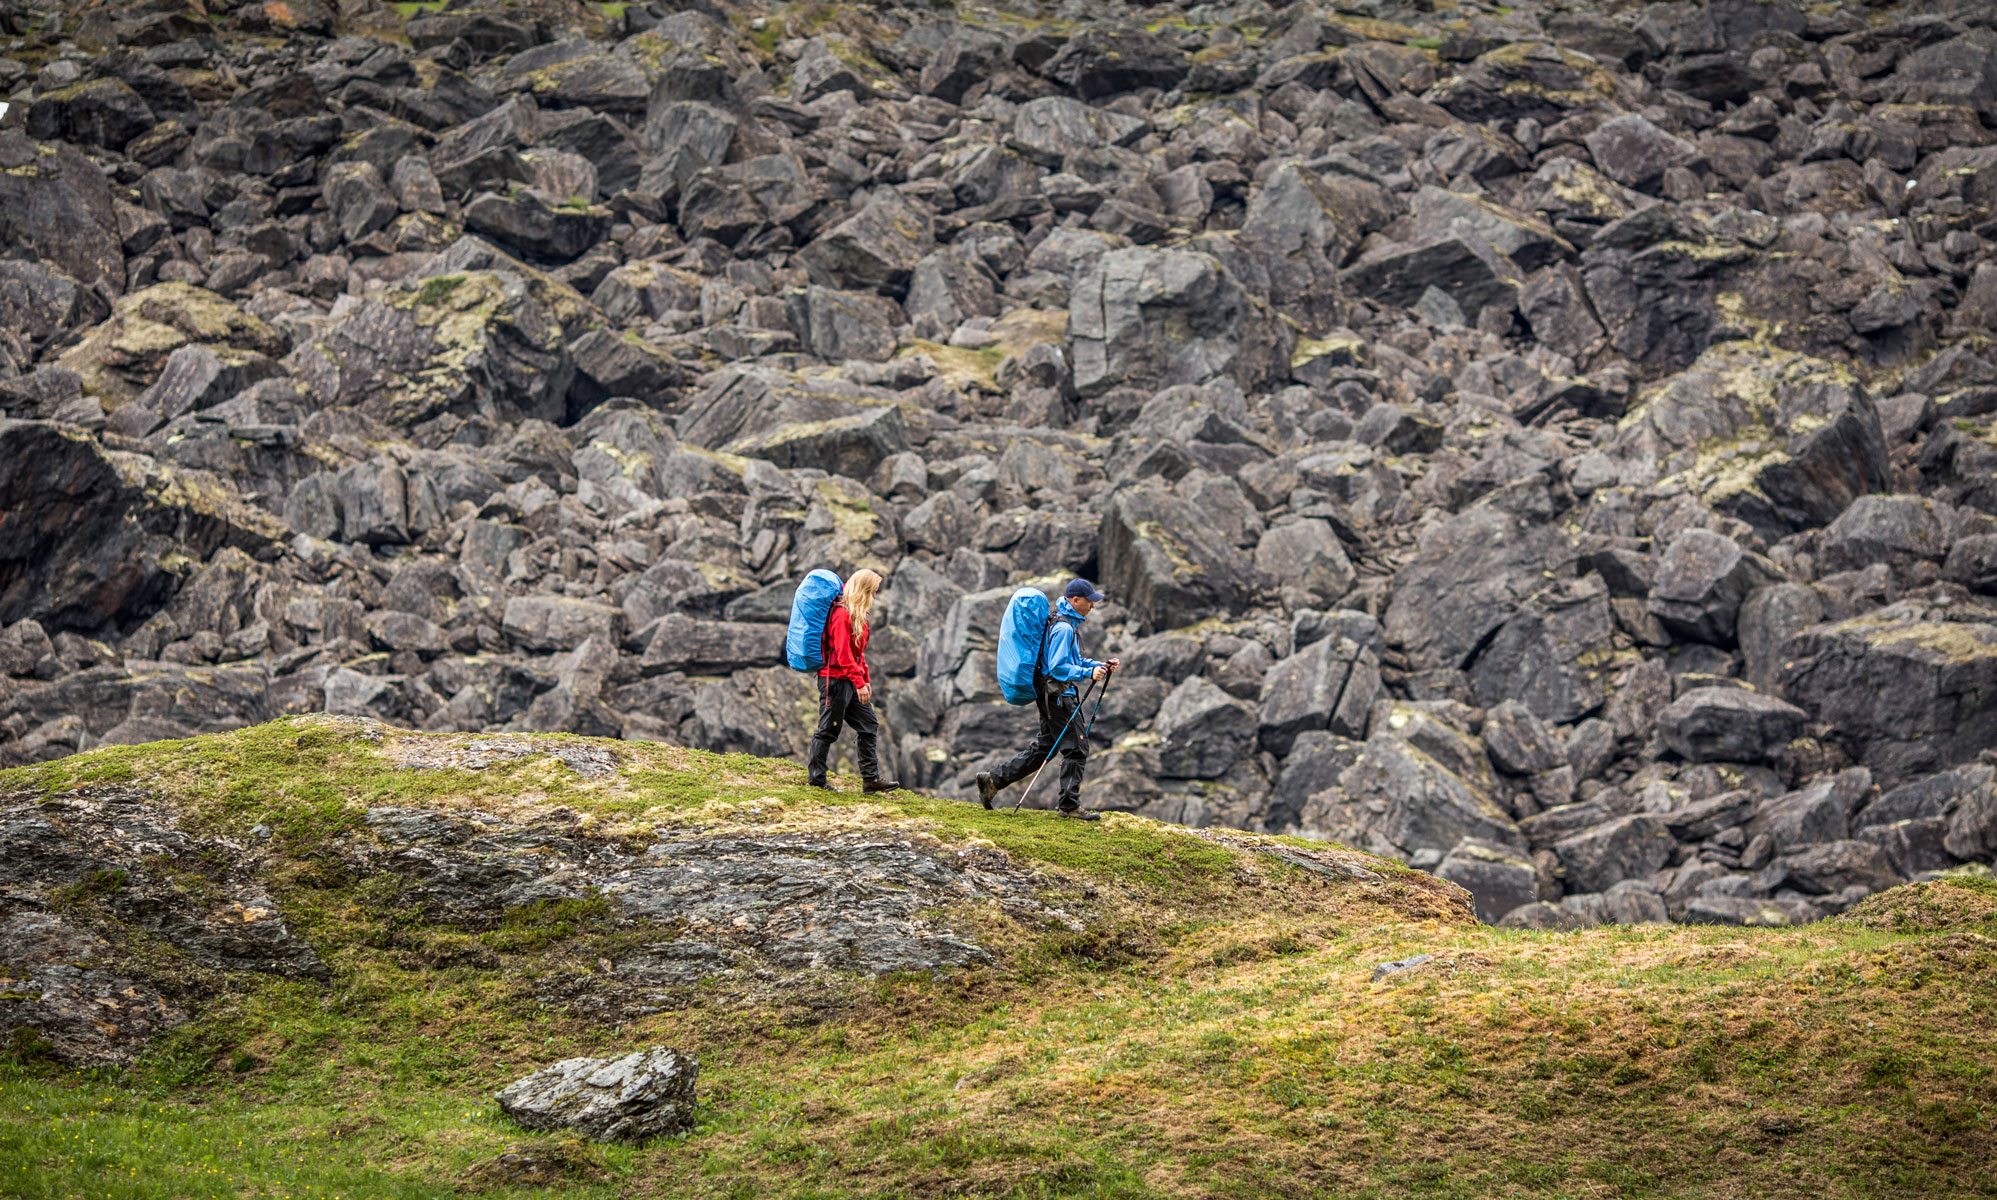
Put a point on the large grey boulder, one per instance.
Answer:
(1896, 530)
(1471, 572)
(1308, 557)
(1701, 583)
(1972, 562)
(1498, 878)
(56, 207)
(1820, 812)
(691, 137)
(1726, 724)
(1330, 685)
(683, 643)
(1395, 799)
(1099, 61)
(1525, 240)
(124, 356)
(1555, 303)
(1780, 440)
(560, 622)
(1155, 318)
(89, 539)
(875, 249)
(1052, 128)
(1832, 867)
(643, 1094)
(1301, 225)
(1634, 152)
(102, 112)
(1519, 742)
(1767, 619)
(358, 198)
(524, 222)
(1161, 559)
(1461, 266)
(852, 446)
(843, 325)
(471, 345)
(1626, 848)
(1552, 654)
(1904, 692)
(1202, 731)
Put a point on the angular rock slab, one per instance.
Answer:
(644, 1094)
(1472, 571)
(1779, 440)
(1906, 695)
(1160, 558)
(1726, 724)
(475, 344)
(1499, 879)
(1156, 318)
(87, 535)
(1330, 684)
(1396, 799)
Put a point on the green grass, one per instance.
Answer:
(1214, 1031)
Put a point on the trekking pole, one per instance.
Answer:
(1056, 746)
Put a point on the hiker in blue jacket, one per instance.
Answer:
(1060, 670)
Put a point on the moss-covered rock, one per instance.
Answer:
(1778, 439)
(1908, 690)
(433, 355)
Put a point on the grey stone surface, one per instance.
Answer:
(1725, 724)
(641, 1095)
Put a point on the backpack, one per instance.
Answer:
(804, 641)
(1022, 644)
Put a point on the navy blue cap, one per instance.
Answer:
(1082, 589)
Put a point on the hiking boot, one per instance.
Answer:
(987, 788)
(1081, 814)
(882, 785)
(820, 784)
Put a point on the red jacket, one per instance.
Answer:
(845, 659)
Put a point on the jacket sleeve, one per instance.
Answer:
(1065, 663)
(862, 677)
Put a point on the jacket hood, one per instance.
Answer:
(1066, 609)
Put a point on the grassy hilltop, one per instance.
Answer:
(1203, 1021)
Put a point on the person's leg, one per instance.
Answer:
(830, 707)
(1074, 759)
(1027, 761)
(866, 731)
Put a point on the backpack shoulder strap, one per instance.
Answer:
(1040, 659)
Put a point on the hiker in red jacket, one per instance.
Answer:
(845, 690)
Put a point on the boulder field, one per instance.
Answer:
(1549, 444)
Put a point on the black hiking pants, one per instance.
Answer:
(839, 704)
(1054, 714)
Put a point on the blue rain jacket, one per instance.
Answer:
(1064, 662)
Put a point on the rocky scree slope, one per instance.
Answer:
(1549, 444)
(302, 958)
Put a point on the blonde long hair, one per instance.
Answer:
(858, 597)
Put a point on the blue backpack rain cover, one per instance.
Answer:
(804, 642)
(1020, 636)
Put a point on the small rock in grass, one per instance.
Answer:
(643, 1094)
(1399, 965)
